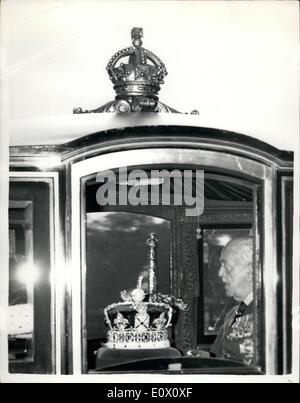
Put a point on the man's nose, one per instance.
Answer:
(221, 271)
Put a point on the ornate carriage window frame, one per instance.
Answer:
(180, 154)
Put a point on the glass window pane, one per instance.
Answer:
(30, 329)
(216, 303)
(111, 268)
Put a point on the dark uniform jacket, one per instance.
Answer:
(235, 339)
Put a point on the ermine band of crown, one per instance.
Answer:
(130, 339)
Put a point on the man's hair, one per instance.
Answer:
(241, 248)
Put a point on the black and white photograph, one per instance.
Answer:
(149, 197)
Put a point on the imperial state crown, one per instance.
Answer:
(142, 319)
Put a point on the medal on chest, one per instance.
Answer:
(241, 328)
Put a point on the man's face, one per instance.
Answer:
(236, 274)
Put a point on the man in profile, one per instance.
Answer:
(235, 338)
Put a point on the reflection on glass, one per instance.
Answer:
(22, 275)
(116, 254)
(216, 303)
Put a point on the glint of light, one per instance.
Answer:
(223, 240)
(143, 182)
(48, 163)
(28, 273)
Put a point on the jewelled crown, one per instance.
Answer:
(137, 75)
(142, 319)
(142, 75)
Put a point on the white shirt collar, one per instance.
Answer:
(249, 298)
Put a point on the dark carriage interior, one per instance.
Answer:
(113, 264)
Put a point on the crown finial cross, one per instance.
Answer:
(136, 36)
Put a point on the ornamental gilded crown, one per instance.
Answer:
(142, 319)
(142, 75)
(137, 74)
